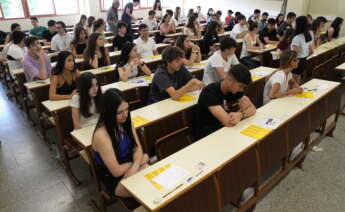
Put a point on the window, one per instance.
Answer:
(106, 4)
(41, 7)
(12, 8)
(61, 9)
(1, 16)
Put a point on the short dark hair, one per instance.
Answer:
(121, 24)
(219, 12)
(171, 53)
(152, 12)
(252, 25)
(241, 17)
(241, 74)
(227, 43)
(30, 40)
(136, 1)
(256, 11)
(18, 36)
(62, 24)
(271, 21)
(14, 26)
(142, 26)
(51, 23)
(291, 15)
(170, 12)
(97, 24)
(33, 18)
(322, 19)
(230, 11)
(265, 13)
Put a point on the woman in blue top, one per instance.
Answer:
(115, 145)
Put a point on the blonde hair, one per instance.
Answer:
(286, 58)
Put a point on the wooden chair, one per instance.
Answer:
(238, 175)
(13, 90)
(204, 197)
(172, 143)
(106, 198)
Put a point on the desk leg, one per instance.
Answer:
(43, 125)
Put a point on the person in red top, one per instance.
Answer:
(230, 17)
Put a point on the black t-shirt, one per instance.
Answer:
(272, 35)
(46, 35)
(163, 80)
(212, 95)
(283, 27)
(119, 41)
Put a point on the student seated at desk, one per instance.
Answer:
(221, 61)
(115, 144)
(210, 39)
(36, 63)
(224, 103)
(63, 82)
(285, 41)
(62, 40)
(281, 83)
(269, 33)
(192, 29)
(334, 30)
(172, 79)
(130, 63)
(85, 103)
(166, 27)
(16, 52)
(99, 27)
(316, 28)
(79, 42)
(146, 45)
(240, 29)
(290, 19)
(191, 51)
(151, 21)
(37, 30)
(122, 37)
(95, 55)
(251, 42)
(48, 34)
(263, 21)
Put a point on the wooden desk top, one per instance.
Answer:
(267, 48)
(53, 106)
(341, 67)
(173, 35)
(327, 47)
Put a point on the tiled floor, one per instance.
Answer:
(32, 180)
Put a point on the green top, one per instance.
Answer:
(38, 31)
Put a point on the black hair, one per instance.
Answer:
(322, 19)
(170, 12)
(152, 12)
(302, 28)
(230, 11)
(190, 13)
(271, 21)
(90, 49)
(291, 15)
(288, 34)
(97, 24)
(84, 85)
(61, 60)
(136, 1)
(109, 104)
(81, 18)
(30, 41)
(125, 51)
(241, 17)
(164, 18)
(241, 74)
(227, 43)
(180, 44)
(256, 11)
(277, 19)
(63, 25)
(142, 26)
(190, 23)
(51, 23)
(90, 21)
(252, 25)
(237, 14)
(18, 36)
(14, 26)
(33, 18)
(171, 53)
(219, 12)
(211, 29)
(315, 25)
(265, 13)
(155, 5)
(336, 26)
(121, 24)
(177, 13)
(77, 32)
(209, 11)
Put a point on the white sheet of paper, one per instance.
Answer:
(142, 82)
(171, 177)
(271, 123)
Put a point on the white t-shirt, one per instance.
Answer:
(299, 40)
(145, 48)
(244, 52)
(134, 72)
(278, 77)
(15, 52)
(217, 61)
(238, 28)
(61, 42)
(201, 17)
(84, 122)
(151, 23)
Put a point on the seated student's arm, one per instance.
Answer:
(145, 69)
(192, 85)
(52, 90)
(248, 40)
(246, 106)
(274, 94)
(241, 34)
(268, 41)
(330, 33)
(293, 83)
(195, 57)
(74, 52)
(40, 73)
(139, 149)
(94, 61)
(107, 58)
(76, 118)
(261, 45)
(103, 145)
(124, 72)
(172, 28)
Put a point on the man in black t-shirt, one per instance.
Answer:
(122, 37)
(290, 19)
(48, 34)
(127, 15)
(269, 34)
(224, 103)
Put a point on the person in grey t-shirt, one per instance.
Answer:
(113, 17)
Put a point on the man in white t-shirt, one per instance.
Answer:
(146, 45)
(172, 18)
(240, 29)
(201, 17)
(221, 61)
(62, 40)
(16, 52)
(151, 21)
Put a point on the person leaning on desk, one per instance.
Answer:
(223, 103)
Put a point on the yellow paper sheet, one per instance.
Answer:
(154, 173)
(139, 120)
(149, 78)
(255, 131)
(254, 77)
(186, 98)
(199, 64)
(155, 57)
(270, 46)
(107, 68)
(306, 94)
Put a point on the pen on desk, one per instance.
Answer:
(177, 187)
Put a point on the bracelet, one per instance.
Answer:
(135, 165)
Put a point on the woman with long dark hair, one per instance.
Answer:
(303, 44)
(279, 20)
(157, 7)
(95, 54)
(166, 27)
(82, 21)
(210, 38)
(192, 52)
(130, 62)
(78, 44)
(334, 30)
(116, 147)
(85, 103)
(316, 28)
(192, 29)
(89, 25)
(63, 83)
